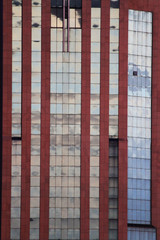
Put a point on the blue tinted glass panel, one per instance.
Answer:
(139, 116)
(141, 233)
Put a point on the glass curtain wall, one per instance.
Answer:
(113, 119)
(95, 119)
(35, 119)
(113, 189)
(139, 116)
(16, 67)
(16, 118)
(15, 190)
(114, 68)
(65, 123)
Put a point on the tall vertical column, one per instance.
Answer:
(7, 109)
(1, 104)
(26, 119)
(122, 123)
(45, 120)
(155, 120)
(104, 121)
(85, 118)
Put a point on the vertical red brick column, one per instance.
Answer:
(85, 119)
(26, 119)
(45, 120)
(104, 121)
(7, 109)
(123, 97)
(156, 119)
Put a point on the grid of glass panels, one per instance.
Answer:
(35, 119)
(113, 189)
(16, 119)
(15, 190)
(114, 68)
(65, 129)
(16, 66)
(139, 116)
(95, 119)
(135, 233)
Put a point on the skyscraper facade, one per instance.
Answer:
(80, 119)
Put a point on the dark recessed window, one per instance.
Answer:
(16, 138)
(114, 3)
(96, 3)
(134, 73)
(66, 14)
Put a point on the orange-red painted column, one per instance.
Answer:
(122, 126)
(26, 119)
(104, 121)
(6, 121)
(85, 119)
(45, 120)
(156, 119)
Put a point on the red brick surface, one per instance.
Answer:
(85, 119)
(26, 120)
(6, 148)
(104, 121)
(123, 86)
(144, 5)
(45, 120)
